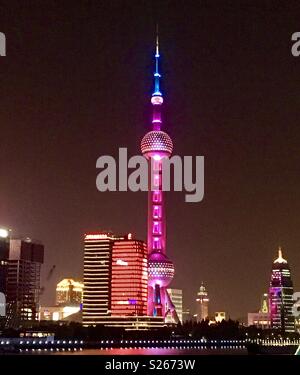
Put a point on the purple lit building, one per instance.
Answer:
(155, 146)
(281, 296)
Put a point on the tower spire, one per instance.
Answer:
(279, 252)
(157, 99)
(156, 73)
(280, 258)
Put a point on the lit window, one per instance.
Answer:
(156, 227)
(156, 243)
(157, 196)
(157, 212)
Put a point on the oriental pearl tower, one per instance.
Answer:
(155, 146)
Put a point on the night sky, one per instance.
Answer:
(76, 84)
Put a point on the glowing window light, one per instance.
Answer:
(95, 236)
(121, 262)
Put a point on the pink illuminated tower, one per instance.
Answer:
(155, 146)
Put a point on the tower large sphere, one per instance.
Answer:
(160, 270)
(156, 141)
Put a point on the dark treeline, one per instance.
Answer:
(229, 329)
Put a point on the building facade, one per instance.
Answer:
(97, 277)
(261, 319)
(129, 281)
(69, 292)
(23, 279)
(115, 280)
(4, 253)
(202, 304)
(176, 298)
(281, 296)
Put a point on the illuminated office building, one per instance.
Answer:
(4, 252)
(69, 292)
(115, 282)
(97, 277)
(176, 298)
(129, 281)
(281, 296)
(202, 304)
(23, 279)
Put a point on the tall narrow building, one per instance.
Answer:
(176, 297)
(129, 279)
(155, 146)
(202, 304)
(23, 280)
(97, 276)
(4, 252)
(281, 296)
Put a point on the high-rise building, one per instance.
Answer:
(176, 298)
(156, 146)
(23, 279)
(69, 292)
(115, 278)
(202, 304)
(97, 277)
(129, 281)
(4, 252)
(281, 295)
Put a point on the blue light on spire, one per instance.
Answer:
(156, 73)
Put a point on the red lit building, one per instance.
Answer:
(115, 288)
(129, 279)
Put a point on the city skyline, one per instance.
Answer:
(56, 124)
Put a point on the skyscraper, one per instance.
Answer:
(155, 146)
(129, 278)
(4, 251)
(97, 276)
(176, 298)
(69, 292)
(23, 279)
(281, 295)
(202, 304)
(115, 278)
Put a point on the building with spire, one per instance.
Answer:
(202, 304)
(281, 296)
(155, 146)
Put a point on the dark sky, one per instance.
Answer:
(76, 84)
